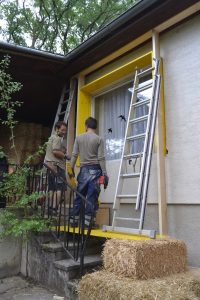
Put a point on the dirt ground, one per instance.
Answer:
(17, 288)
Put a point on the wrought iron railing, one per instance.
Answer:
(57, 206)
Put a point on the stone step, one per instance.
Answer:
(93, 246)
(72, 268)
(69, 264)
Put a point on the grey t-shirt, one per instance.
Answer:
(55, 143)
(90, 146)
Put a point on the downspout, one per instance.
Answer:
(162, 201)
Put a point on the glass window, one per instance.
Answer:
(111, 111)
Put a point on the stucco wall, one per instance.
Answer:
(10, 256)
(180, 49)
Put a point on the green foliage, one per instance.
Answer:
(8, 106)
(2, 153)
(14, 185)
(58, 26)
(7, 88)
(20, 226)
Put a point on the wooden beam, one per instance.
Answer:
(118, 53)
(162, 202)
(178, 18)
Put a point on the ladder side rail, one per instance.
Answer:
(68, 109)
(59, 108)
(145, 148)
(148, 166)
(69, 104)
(123, 150)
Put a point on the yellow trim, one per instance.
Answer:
(118, 73)
(114, 55)
(84, 110)
(111, 234)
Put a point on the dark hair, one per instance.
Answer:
(59, 124)
(91, 123)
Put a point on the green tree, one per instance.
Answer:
(57, 25)
(14, 185)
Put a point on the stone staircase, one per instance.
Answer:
(49, 264)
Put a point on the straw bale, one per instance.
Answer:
(28, 137)
(108, 286)
(145, 259)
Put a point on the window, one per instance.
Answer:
(111, 110)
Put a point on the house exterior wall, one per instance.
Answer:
(180, 48)
(10, 256)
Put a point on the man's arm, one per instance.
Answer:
(56, 148)
(75, 154)
(101, 157)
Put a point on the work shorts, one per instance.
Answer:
(57, 183)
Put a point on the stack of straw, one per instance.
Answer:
(137, 270)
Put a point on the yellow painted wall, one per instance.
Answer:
(118, 73)
(83, 110)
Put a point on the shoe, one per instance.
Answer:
(88, 221)
(73, 221)
(53, 211)
(94, 226)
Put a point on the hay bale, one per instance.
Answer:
(108, 286)
(145, 259)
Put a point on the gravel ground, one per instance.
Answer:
(17, 288)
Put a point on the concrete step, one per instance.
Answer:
(72, 268)
(50, 265)
(93, 246)
(70, 264)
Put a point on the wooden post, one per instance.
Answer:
(160, 138)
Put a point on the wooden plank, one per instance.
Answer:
(162, 202)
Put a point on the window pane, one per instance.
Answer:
(111, 110)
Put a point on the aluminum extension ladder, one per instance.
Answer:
(65, 104)
(145, 155)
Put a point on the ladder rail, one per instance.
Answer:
(116, 199)
(71, 97)
(149, 160)
(59, 108)
(145, 148)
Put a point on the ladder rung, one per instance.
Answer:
(139, 103)
(65, 101)
(67, 91)
(135, 137)
(143, 88)
(134, 155)
(61, 113)
(150, 233)
(136, 120)
(145, 72)
(131, 175)
(127, 196)
(127, 219)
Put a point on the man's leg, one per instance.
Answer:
(92, 200)
(82, 189)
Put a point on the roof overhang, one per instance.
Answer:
(43, 74)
